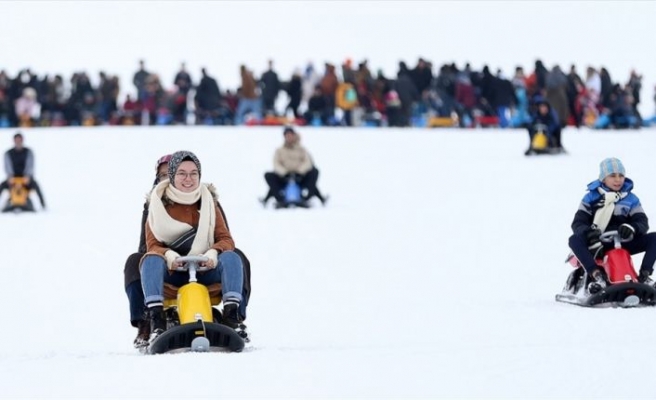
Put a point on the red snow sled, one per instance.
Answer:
(623, 290)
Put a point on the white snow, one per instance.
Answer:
(431, 272)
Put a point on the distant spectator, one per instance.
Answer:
(249, 101)
(208, 99)
(406, 93)
(317, 112)
(139, 81)
(310, 79)
(28, 108)
(270, 88)
(556, 93)
(183, 80)
(329, 83)
(294, 91)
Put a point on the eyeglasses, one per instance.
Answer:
(184, 175)
(161, 177)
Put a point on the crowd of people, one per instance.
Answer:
(351, 95)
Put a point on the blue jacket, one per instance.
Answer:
(550, 120)
(627, 211)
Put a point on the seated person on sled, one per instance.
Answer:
(292, 162)
(610, 205)
(132, 276)
(544, 130)
(180, 205)
(19, 167)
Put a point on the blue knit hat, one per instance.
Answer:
(611, 166)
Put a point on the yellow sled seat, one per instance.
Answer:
(171, 294)
(540, 141)
(19, 193)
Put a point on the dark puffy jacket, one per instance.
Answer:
(627, 211)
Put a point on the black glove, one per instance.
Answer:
(625, 231)
(593, 236)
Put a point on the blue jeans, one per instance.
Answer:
(246, 105)
(229, 272)
(136, 300)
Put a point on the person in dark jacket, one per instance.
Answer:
(132, 276)
(318, 109)
(294, 89)
(270, 88)
(407, 92)
(19, 163)
(208, 99)
(544, 119)
(610, 205)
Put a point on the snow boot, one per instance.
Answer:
(645, 277)
(143, 334)
(598, 282)
(232, 319)
(157, 321)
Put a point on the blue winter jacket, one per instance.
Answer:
(627, 211)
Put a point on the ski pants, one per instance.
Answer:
(640, 243)
(277, 184)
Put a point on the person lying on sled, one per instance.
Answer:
(610, 205)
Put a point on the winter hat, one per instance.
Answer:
(162, 160)
(177, 158)
(611, 166)
(288, 129)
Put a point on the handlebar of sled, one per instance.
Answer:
(614, 237)
(190, 263)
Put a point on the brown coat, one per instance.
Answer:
(190, 214)
(248, 85)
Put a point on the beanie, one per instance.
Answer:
(611, 166)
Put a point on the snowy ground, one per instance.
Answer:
(431, 273)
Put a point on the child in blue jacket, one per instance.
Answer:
(610, 205)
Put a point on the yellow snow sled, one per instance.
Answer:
(192, 323)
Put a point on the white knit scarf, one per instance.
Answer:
(603, 215)
(167, 229)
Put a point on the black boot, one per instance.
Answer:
(143, 333)
(598, 283)
(645, 277)
(232, 319)
(157, 321)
